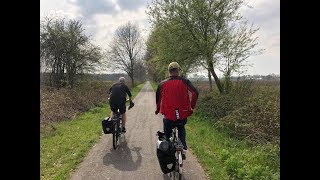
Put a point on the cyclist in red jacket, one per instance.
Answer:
(172, 99)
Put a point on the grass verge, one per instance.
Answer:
(226, 158)
(63, 145)
(154, 85)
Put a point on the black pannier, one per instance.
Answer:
(165, 153)
(107, 125)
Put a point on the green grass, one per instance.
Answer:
(64, 145)
(137, 89)
(226, 158)
(154, 85)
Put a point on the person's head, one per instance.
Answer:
(122, 79)
(174, 69)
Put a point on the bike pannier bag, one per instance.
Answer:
(107, 125)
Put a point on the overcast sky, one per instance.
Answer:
(102, 17)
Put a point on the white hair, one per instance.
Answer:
(122, 79)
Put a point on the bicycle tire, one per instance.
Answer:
(118, 130)
(180, 164)
(115, 136)
(174, 174)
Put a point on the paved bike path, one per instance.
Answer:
(135, 158)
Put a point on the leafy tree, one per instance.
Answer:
(206, 27)
(65, 51)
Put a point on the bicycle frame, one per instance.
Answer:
(116, 128)
(178, 153)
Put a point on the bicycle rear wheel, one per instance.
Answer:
(179, 164)
(115, 136)
(173, 175)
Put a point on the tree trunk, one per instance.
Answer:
(210, 81)
(132, 82)
(227, 86)
(228, 83)
(132, 70)
(218, 83)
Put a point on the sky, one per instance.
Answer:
(102, 17)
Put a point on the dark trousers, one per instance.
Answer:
(169, 125)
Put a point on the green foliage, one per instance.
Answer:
(65, 51)
(217, 105)
(228, 158)
(249, 111)
(167, 44)
(237, 135)
(207, 33)
(258, 120)
(154, 85)
(253, 163)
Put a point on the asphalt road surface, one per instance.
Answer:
(135, 158)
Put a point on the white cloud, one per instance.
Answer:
(107, 24)
(102, 17)
(265, 14)
(61, 8)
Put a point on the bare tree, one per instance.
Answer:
(238, 44)
(125, 49)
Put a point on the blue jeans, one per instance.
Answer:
(168, 126)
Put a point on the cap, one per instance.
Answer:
(121, 79)
(174, 65)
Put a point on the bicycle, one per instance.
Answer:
(117, 128)
(178, 153)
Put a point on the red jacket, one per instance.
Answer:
(173, 99)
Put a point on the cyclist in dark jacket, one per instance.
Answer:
(117, 94)
(172, 100)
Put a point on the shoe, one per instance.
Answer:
(184, 154)
(124, 129)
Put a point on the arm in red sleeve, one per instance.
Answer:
(194, 93)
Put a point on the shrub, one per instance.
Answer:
(250, 111)
(216, 105)
(57, 105)
(257, 121)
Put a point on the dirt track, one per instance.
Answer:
(135, 159)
